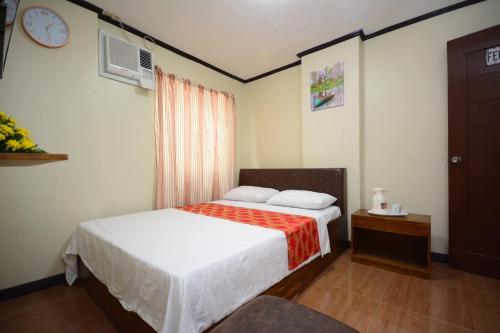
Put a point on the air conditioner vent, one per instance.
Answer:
(146, 61)
(122, 54)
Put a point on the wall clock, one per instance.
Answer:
(11, 12)
(45, 26)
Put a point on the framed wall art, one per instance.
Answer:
(327, 87)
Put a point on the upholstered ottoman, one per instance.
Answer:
(270, 314)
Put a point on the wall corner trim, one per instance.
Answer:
(30, 287)
(358, 33)
(276, 70)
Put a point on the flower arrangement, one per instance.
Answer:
(15, 139)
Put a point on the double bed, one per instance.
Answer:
(174, 271)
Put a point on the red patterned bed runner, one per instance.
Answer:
(301, 231)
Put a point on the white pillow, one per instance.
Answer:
(302, 199)
(250, 193)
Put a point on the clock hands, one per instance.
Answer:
(48, 32)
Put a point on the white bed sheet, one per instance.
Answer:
(180, 271)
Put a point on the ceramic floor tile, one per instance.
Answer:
(493, 286)
(375, 285)
(31, 302)
(451, 301)
(354, 277)
(481, 312)
(445, 276)
(392, 319)
(459, 306)
(422, 324)
(463, 307)
(52, 316)
(346, 255)
(398, 291)
(416, 295)
(495, 299)
(337, 270)
(353, 309)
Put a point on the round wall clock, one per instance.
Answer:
(45, 26)
(11, 12)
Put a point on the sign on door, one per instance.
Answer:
(493, 56)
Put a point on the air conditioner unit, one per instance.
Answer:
(119, 60)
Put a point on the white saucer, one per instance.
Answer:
(388, 213)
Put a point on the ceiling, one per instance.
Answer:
(250, 37)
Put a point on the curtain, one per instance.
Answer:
(195, 142)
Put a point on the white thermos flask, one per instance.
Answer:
(379, 199)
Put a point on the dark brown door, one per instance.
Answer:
(474, 151)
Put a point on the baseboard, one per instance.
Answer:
(439, 257)
(30, 287)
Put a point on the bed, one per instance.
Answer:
(133, 262)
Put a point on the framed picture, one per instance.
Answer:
(327, 87)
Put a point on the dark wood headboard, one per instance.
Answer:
(331, 181)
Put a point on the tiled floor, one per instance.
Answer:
(56, 309)
(374, 300)
(367, 298)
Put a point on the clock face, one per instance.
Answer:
(11, 12)
(45, 26)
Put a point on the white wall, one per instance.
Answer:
(105, 126)
(275, 104)
(330, 137)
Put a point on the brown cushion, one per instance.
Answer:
(270, 314)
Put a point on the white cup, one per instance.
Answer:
(396, 209)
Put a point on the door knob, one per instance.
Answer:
(456, 160)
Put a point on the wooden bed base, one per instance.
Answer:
(129, 322)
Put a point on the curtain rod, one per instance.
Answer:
(158, 69)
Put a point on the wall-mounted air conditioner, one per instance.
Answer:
(119, 60)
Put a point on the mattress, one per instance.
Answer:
(181, 272)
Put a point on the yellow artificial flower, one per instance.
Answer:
(23, 131)
(3, 116)
(2, 136)
(11, 122)
(6, 129)
(13, 144)
(27, 143)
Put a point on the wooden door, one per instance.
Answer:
(474, 152)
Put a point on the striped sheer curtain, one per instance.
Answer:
(195, 142)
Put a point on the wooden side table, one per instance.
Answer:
(400, 244)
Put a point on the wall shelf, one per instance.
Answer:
(25, 159)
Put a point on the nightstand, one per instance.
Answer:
(400, 244)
